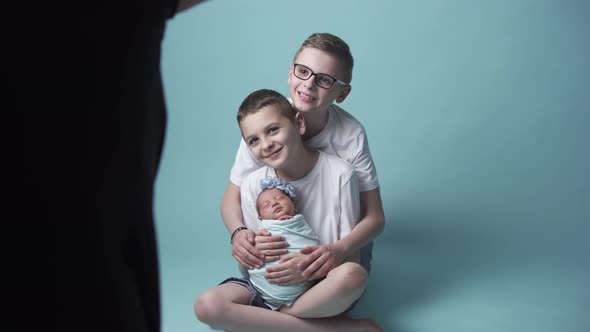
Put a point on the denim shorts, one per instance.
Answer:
(256, 299)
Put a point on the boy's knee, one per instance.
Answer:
(208, 308)
(351, 276)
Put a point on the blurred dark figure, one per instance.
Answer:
(107, 276)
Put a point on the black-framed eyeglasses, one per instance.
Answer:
(322, 80)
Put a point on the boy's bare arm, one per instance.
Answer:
(321, 259)
(369, 227)
(243, 242)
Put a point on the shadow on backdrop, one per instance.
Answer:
(418, 259)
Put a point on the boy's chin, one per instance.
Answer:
(309, 107)
(276, 166)
(305, 109)
(274, 163)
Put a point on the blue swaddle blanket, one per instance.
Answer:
(299, 235)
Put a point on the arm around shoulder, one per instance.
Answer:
(230, 207)
(371, 224)
(372, 209)
(242, 241)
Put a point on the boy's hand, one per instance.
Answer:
(244, 251)
(272, 247)
(286, 272)
(319, 261)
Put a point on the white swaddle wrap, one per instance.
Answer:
(299, 235)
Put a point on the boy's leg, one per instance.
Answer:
(225, 307)
(210, 306)
(333, 295)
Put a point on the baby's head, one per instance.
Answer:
(276, 198)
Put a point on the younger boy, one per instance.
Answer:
(329, 188)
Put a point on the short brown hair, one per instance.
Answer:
(262, 98)
(334, 46)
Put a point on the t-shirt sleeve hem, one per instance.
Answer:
(236, 181)
(363, 187)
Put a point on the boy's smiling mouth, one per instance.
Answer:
(305, 97)
(274, 154)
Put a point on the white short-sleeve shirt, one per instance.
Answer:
(328, 198)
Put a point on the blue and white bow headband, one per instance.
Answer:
(270, 182)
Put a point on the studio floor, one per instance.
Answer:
(424, 280)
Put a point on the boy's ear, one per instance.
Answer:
(343, 93)
(300, 123)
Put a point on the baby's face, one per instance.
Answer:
(273, 203)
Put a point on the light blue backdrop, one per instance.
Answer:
(477, 114)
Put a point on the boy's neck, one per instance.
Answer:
(300, 167)
(315, 122)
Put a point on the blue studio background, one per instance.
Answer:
(477, 114)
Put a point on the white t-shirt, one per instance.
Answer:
(328, 198)
(344, 137)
